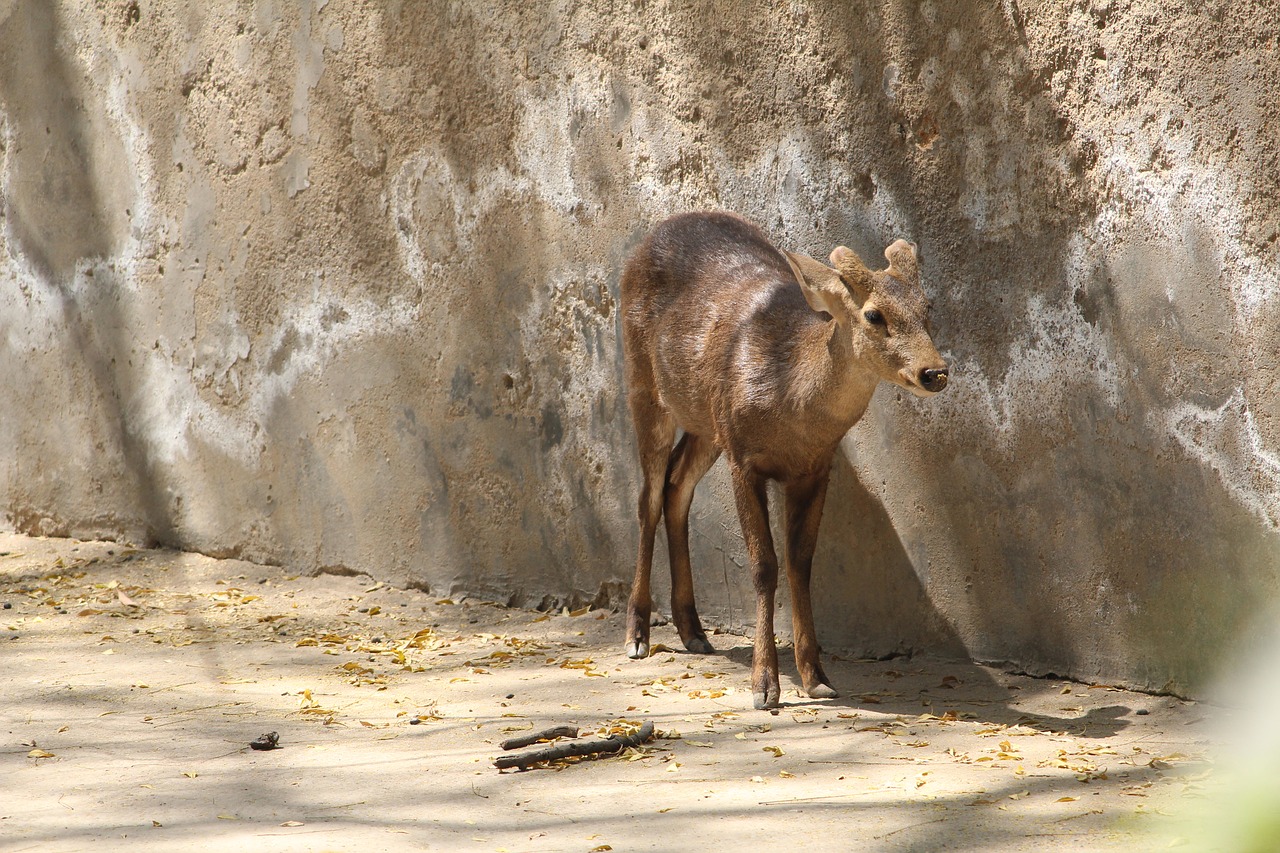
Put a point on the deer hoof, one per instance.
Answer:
(822, 691)
(764, 701)
(699, 646)
(637, 650)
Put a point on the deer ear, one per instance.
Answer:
(820, 284)
(853, 271)
(903, 262)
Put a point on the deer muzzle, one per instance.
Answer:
(933, 379)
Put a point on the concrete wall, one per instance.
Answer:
(335, 284)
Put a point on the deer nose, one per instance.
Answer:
(933, 379)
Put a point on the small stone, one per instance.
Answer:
(1142, 712)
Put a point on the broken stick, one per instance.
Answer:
(547, 734)
(576, 748)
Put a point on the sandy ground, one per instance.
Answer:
(133, 682)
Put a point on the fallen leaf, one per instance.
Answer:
(1020, 795)
(39, 753)
(776, 750)
(1066, 799)
(190, 774)
(293, 823)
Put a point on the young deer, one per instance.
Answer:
(769, 358)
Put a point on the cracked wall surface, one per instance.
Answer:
(335, 285)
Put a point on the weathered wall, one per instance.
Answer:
(334, 284)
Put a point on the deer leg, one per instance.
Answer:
(804, 499)
(753, 512)
(689, 462)
(655, 431)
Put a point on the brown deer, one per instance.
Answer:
(769, 358)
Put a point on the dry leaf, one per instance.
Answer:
(293, 823)
(776, 750)
(1066, 799)
(39, 753)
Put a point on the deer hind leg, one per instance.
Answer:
(655, 431)
(753, 511)
(691, 459)
(804, 500)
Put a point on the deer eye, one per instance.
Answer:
(873, 316)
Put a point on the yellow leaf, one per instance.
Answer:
(190, 774)
(786, 775)
(39, 753)
(702, 743)
(601, 848)
(1020, 795)
(776, 750)
(1066, 799)
(227, 817)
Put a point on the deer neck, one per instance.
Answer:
(832, 379)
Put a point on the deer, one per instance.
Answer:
(769, 358)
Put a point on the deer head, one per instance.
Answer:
(882, 316)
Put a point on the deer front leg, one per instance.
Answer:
(753, 512)
(804, 500)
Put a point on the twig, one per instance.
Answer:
(532, 738)
(910, 826)
(576, 748)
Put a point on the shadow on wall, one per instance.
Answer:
(63, 205)
(868, 598)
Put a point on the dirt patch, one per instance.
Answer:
(136, 680)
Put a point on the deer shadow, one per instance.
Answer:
(872, 607)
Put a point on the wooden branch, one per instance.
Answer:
(576, 748)
(547, 734)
